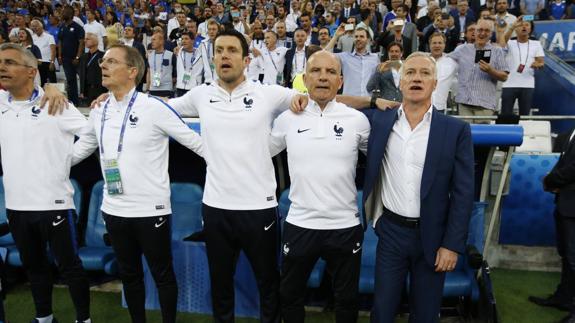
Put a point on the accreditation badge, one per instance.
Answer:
(280, 78)
(112, 177)
(156, 79)
(187, 77)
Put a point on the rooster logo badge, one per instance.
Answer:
(248, 102)
(338, 130)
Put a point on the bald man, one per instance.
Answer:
(323, 220)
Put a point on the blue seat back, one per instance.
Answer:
(96, 227)
(78, 201)
(186, 202)
(527, 212)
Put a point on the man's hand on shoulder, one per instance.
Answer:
(56, 100)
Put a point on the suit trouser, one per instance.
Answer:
(33, 231)
(400, 251)
(150, 236)
(301, 249)
(71, 80)
(45, 73)
(256, 233)
(565, 228)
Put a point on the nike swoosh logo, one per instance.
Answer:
(4, 111)
(157, 225)
(267, 227)
(356, 250)
(56, 223)
(214, 101)
(304, 130)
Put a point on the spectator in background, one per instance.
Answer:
(470, 34)
(20, 23)
(323, 37)
(180, 29)
(113, 29)
(331, 23)
(433, 11)
(384, 82)
(557, 10)
(531, 7)
(357, 66)
(70, 48)
(524, 56)
(95, 27)
(501, 13)
(391, 15)
(462, 17)
(349, 10)
(446, 72)
(189, 66)
(239, 21)
(295, 58)
(161, 71)
(284, 39)
(477, 82)
(221, 16)
(366, 18)
(130, 40)
(440, 26)
(272, 59)
(89, 71)
(208, 51)
(399, 30)
(203, 27)
(47, 46)
(345, 41)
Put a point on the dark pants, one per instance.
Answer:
(45, 74)
(399, 252)
(163, 94)
(150, 236)
(302, 247)
(524, 97)
(565, 229)
(92, 92)
(256, 233)
(180, 92)
(33, 231)
(71, 80)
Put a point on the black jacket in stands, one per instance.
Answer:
(562, 178)
(90, 75)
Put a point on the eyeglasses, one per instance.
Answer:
(111, 61)
(12, 63)
(481, 30)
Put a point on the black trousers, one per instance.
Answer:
(45, 74)
(565, 231)
(180, 92)
(341, 249)
(33, 231)
(163, 94)
(150, 236)
(71, 80)
(524, 97)
(256, 233)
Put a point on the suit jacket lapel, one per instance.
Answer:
(434, 151)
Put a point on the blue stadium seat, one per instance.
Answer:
(186, 200)
(316, 275)
(527, 212)
(13, 257)
(95, 255)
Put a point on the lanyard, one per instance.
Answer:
(272, 59)
(33, 97)
(295, 60)
(122, 130)
(92, 58)
(192, 61)
(161, 63)
(526, 55)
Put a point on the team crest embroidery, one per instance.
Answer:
(248, 102)
(338, 130)
(133, 120)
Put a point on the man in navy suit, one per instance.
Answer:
(419, 192)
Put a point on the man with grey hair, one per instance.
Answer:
(481, 66)
(36, 149)
(132, 131)
(418, 191)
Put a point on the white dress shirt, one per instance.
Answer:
(403, 165)
(446, 76)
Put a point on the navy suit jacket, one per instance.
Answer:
(446, 184)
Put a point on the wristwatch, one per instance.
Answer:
(372, 104)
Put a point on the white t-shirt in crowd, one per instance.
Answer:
(44, 42)
(446, 75)
(522, 53)
(99, 30)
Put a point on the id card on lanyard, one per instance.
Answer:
(157, 76)
(188, 72)
(111, 166)
(279, 74)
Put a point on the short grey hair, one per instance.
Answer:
(424, 55)
(93, 36)
(133, 59)
(29, 59)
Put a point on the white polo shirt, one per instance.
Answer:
(189, 64)
(37, 153)
(143, 162)
(44, 42)
(235, 129)
(322, 149)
